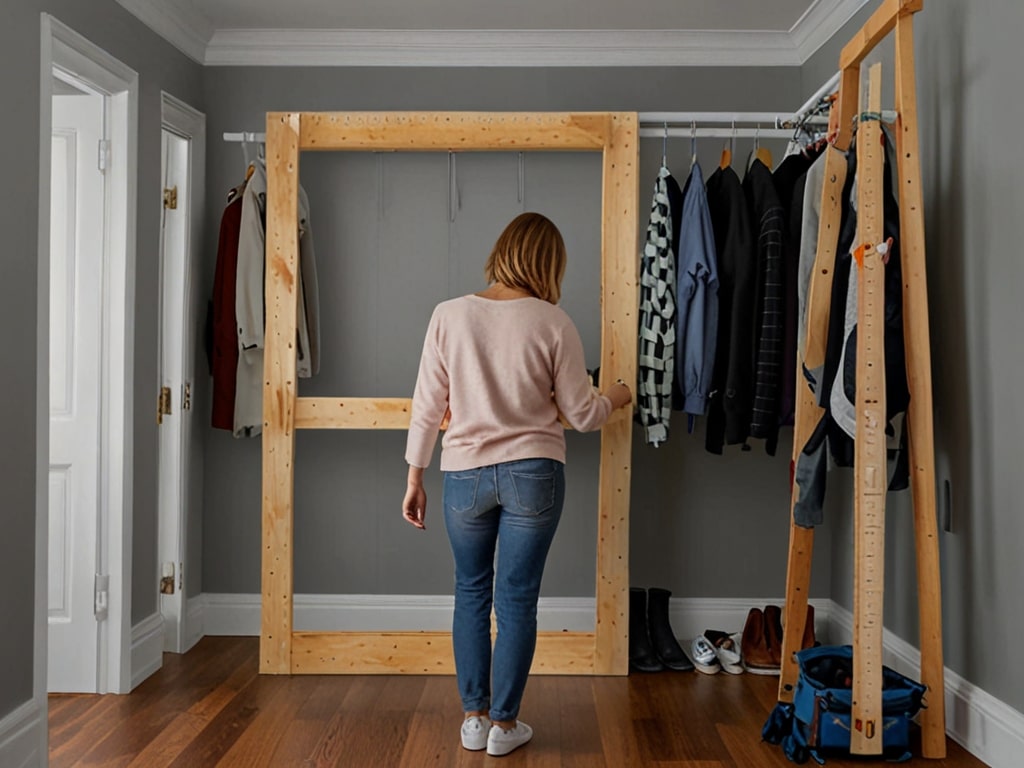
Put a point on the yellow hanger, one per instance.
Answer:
(726, 160)
(762, 153)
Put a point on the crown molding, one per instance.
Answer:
(498, 48)
(819, 24)
(191, 32)
(186, 29)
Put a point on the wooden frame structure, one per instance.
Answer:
(870, 480)
(615, 134)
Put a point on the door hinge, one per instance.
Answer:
(186, 397)
(103, 154)
(163, 404)
(101, 596)
(171, 197)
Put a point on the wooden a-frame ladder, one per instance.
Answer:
(870, 470)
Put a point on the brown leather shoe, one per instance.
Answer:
(773, 633)
(754, 647)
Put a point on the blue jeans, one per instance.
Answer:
(514, 508)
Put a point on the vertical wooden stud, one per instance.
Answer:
(801, 548)
(919, 378)
(849, 84)
(618, 361)
(819, 293)
(279, 390)
(870, 476)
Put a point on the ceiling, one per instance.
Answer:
(497, 32)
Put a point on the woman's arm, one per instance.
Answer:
(414, 507)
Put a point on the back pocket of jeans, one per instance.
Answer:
(535, 491)
(460, 490)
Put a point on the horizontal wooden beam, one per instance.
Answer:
(424, 653)
(352, 412)
(462, 131)
(881, 23)
(372, 413)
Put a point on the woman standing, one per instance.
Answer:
(503, 363)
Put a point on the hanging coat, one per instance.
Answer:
(767, 217)
(732, 380)
(224, 353)
(249, 309)
(657, 318)
(696, 299)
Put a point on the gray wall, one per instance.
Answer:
(160, 67)
(695, 517)
(967, 67)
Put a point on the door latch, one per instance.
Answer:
(186, 397)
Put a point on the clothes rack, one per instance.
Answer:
(869, 475)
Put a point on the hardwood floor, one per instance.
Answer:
(209, 707)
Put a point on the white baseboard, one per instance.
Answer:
(194, 621)
(239, 614)
(20, 737)
(147, 648)
(986, 727)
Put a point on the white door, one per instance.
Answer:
(76, 282)
(175, 381)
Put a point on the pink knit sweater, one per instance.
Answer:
(496, 364)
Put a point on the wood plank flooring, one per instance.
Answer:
(209, 707)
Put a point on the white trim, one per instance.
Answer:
(40, 701)
(195, 629)
(986, 727)
(147, 648)
(186, 28)
(239, 614)
(499, 48)
(63, 47)
(819, 24)
(182, 120)
(20, 737)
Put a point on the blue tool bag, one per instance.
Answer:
(817, 723)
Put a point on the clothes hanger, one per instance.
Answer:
(693, 143)
(762, 153)
(726, 160)
(664, 148)
(249, 167)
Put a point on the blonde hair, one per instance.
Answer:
(529, 255)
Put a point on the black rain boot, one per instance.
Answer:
(662, 637)
(642, 657)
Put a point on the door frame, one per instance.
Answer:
(63, 48)
(180, 633)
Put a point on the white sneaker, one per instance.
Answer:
(474, 733)
(501, 742)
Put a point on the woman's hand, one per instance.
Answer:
(619, 394)
(414, 506)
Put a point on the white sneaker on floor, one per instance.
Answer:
(501, 742)
(474, 733)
